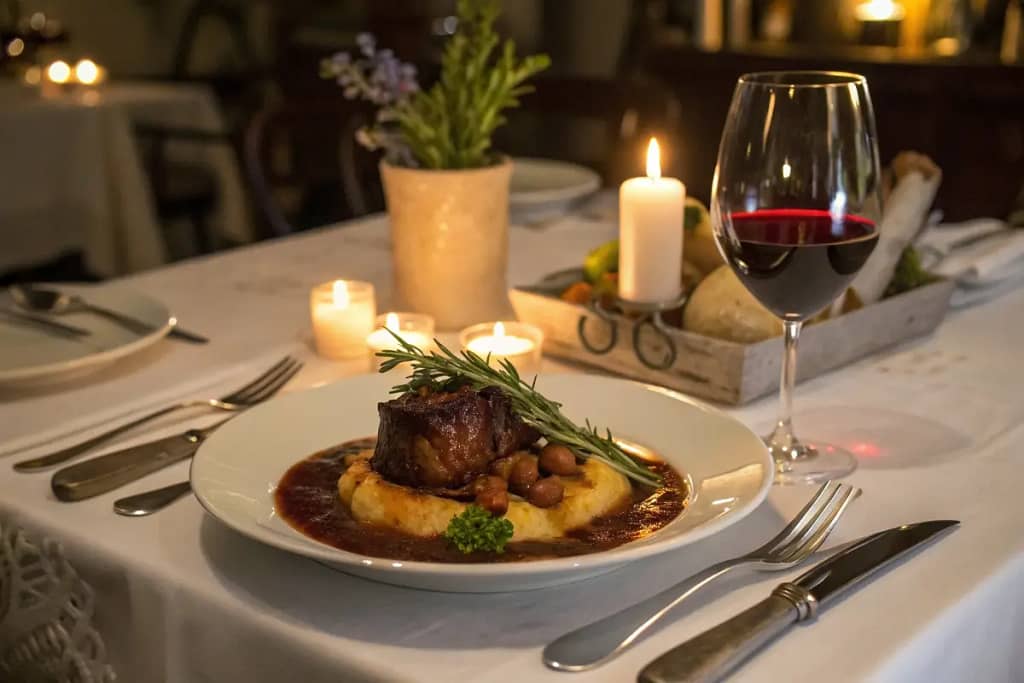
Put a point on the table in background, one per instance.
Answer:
(180, 598)
(71, 176)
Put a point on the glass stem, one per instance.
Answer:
(783, 441)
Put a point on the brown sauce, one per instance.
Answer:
(307, 498)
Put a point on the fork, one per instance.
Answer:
(602, 640)
(242, 398)
(109, 471)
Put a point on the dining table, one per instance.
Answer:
(937, 425)
(74, 178)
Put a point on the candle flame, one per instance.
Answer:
(341, 297)
(391, 322)
(879, 10)
(653, 159)
(499, 329)
(59, 72)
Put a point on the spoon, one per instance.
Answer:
(55, 302)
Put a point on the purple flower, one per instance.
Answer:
(366, 43)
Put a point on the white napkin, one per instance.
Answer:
(990, 265)
(99, 407)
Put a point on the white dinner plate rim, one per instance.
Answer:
(532, 198)
(97, 359)
(608, 559)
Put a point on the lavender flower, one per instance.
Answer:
(376, 76)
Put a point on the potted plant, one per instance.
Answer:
(446, 189)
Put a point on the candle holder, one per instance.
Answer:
(611, 311)
(519, 343)
(342, 313)
(415, 328)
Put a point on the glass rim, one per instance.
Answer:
(802, 79)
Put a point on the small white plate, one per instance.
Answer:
(30, 355)
(236, 471)
(542, 189)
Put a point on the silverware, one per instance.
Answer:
(38, 321)
(255, 391)
(142, 504)
(47, 300)
(107, 472)
(714, 653)
(600, 641)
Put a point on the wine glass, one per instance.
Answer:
(795, 201)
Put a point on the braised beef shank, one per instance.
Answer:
(445, 440)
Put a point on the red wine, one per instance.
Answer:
(797, 261)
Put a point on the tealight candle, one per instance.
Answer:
(651, 235)
(343, 312)
(519, 343)
(414, 328)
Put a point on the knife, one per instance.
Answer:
(714, 653)
(108, 472)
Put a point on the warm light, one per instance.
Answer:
(391, 322)
(33, 75)
(15, 47)
(340, 296)
(879, 10)
(37, 21)
(787, 170)
(499, 329)
(86, 72)
(653, 159)
(59, 72)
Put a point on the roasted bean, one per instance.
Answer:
(485, 482)
(523, 473)
(546, 492)
(502, 467)
(493, 500)
(557, 459)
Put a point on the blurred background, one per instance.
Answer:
(139, 132)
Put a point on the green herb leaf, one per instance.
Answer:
(476, 529)
(908, 274)
(442, 370)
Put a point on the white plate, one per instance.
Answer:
(542, 189)
(236, 471)
(29, 355)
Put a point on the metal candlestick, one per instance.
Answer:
(611, 312)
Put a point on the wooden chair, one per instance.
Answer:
(601, 123)
(304, 167)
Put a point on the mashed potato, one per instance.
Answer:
(597, 491)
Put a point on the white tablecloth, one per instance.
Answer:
(71, 177)
(180, 598)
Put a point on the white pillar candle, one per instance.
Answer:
(414, 328)
(519, 343)
(651, 235)
(342, 313)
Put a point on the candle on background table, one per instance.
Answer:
(415, 328)
(651, 235)
(343, 312)
(520, 343)
(880, 22)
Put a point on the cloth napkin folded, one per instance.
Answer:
(985, 256)
(98, 407)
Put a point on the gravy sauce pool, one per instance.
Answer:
(307, 498)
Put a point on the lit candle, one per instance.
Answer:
(88, 72)
(519, 343)
(343, 313)
(415, 328)
(651, 235)
(880, 22)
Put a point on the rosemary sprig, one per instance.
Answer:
(444, 371)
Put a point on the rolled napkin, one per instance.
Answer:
(915, 180)
(985, 256)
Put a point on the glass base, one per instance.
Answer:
(808, 462)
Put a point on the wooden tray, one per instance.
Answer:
(727, 371)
